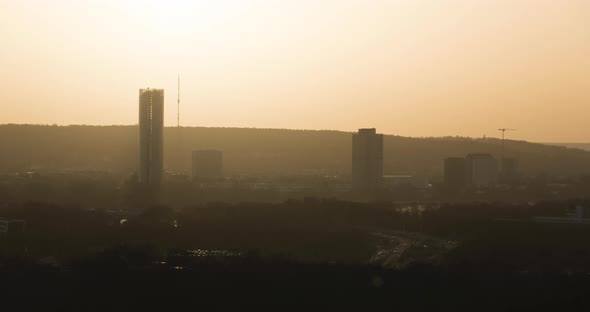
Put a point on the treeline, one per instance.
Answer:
(261, 151)
(311, 231)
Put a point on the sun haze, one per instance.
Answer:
(416, 68)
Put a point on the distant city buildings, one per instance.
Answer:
(475, 170)
(393, 181)
(151, 136)
(12, 228)
(482, 170)
(207, 165)
(367, 160)
(580, 214)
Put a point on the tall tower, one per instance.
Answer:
(367, 160)
(151, 136)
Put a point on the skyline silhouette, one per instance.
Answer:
(443, 172)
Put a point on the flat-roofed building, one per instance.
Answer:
(367, 160)
(482, 170)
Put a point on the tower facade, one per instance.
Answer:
(367, 160)
(151, 136)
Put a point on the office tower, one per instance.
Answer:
(455, 173)
(207, 165)
(367, 160)
(151, 136)
(482, 170)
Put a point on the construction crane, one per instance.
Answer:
(503, 131)
(179, 130)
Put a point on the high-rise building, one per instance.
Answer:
(482, 170)
(207, 165)
(455, 173)
(367, 159)
(151, 136)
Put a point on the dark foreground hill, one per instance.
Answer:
(290, 288)
(268, 151)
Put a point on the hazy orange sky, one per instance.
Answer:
(415, 68)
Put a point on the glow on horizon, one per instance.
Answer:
(416, 68)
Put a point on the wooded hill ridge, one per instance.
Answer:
(262, 151)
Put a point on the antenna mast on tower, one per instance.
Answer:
(503, 130)
(178, 102)
(180, 159)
